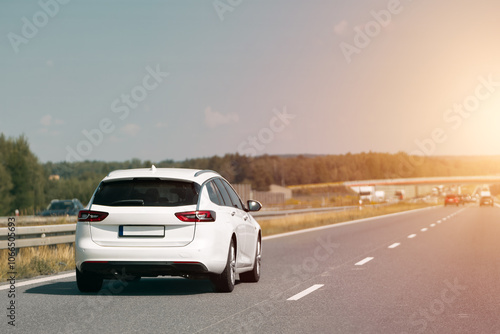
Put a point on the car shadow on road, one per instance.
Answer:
(143, 287)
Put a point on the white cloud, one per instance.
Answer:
(340, 27)
(47, 132)
(131, 129)
(115, 139)
(161, 125)
(46, 120)
(214, 118)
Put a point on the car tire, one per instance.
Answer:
(225, 281)
(88, 282)
(253, 275)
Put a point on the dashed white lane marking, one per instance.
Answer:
(306, 292)
(424, 229)
(38, 280)
(411, 236)
(439, 221)
(394, 245)
(364, 261)
(433, 225)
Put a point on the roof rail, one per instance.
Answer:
(198, 173)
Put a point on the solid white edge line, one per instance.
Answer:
(319, 228)
(394, 245)
(38, 280)
(306, 292)
(364, 261)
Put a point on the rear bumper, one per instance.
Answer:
(120, 269)
(207, 253)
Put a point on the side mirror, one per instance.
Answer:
(254, 205)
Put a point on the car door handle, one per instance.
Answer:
(233, 213)
(245, 218)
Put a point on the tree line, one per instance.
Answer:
(25, 184)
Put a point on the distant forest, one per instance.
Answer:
(25, 184)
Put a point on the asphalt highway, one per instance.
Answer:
(427, 271)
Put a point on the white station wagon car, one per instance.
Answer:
(167, 221)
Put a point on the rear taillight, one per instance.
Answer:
(91, 216)
(196, 216)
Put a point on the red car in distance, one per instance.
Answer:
(452, 199)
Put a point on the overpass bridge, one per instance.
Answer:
(412, 186)
(490, 179)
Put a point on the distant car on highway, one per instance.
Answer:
(486, 201)
(452, 199)
(167, 222)
(466, 198)
(64, 207)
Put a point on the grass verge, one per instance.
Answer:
(36, 261)
(299, 222)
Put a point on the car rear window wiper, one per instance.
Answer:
(129, 202)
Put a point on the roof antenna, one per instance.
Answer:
(153, 168)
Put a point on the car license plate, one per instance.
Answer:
(141, 231)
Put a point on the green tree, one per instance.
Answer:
(26, 175)
(5, 195)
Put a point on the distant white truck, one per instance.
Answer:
(485, 193)
(486, 199)
(366, 194)
(379, 196)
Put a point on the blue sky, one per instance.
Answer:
(156, 80)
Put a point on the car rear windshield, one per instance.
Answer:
(146, 192)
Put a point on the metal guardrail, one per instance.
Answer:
(32, 236)
(271, 214)
(37, 219)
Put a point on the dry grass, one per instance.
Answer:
(35, 261)
(298, 222)
(39, 221)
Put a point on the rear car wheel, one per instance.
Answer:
(225, 281)
(253, 276)
(88, 282)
